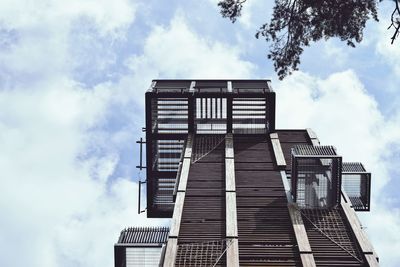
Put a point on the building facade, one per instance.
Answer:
(240, 192)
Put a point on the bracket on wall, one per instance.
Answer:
(141, 167)
(141, 142)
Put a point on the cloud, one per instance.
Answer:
(62, 203)
(344, 114)
(49, 38)
(57, 207)
(66, 164)
(177, 51)
(107, 16)
(335, 52)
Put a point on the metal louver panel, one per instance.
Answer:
(144, 235)
(143, 256)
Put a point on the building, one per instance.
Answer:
(241, 192)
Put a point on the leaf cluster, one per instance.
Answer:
(297, 23)
(231, 8)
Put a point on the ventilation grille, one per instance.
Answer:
(249, 116)
(309, 150)
(353, 167)
(167, 155)
(170, 115)
(144, 235)
(142, 256)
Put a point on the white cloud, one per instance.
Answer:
(60, 209)
(50, 37)
(335, 52)
(343, 114)
(383, 228)
(108, 16)
(59, 203)
(176, 51)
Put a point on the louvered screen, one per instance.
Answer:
(143, 256)
(249, 115)
(167, 154)
(166, 163)
(210, 115)
(169, 115)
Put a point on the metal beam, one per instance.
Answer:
(230, 175)
(306, 256)
(192, 85)
(149, 154)
(232, 253)
(177, 215)
(366, 247)
(313, 137)
(299, 229)
(183, 179)
(171, 251)
(191, 108)
(151, 88)
(229, 86)
(372, 260)
(172, 245)
(271, 111)
(229, 115)
(276, 146)
(231, 216)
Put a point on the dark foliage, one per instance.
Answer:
(297, 23)
(231, 9)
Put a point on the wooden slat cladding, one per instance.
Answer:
(293, 136)
(266, 235)
(289, 139)
(331, 239)
(203, 217)
(265, 231)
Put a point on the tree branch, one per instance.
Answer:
(395, 21)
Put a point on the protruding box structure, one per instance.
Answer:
(356, 182)
(140, 246)
(176, 108)
(316, 176)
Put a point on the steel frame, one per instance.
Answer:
(336, 169)
(207, 90)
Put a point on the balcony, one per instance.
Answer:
(356, 182)
(316, 176)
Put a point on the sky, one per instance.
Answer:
(72, 81)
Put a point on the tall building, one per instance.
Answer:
(240, 192)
